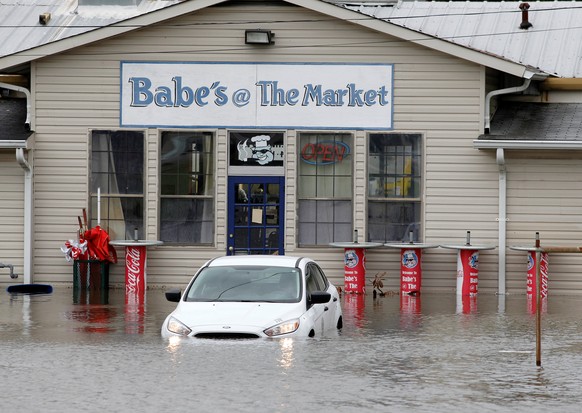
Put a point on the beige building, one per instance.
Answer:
(178, 125)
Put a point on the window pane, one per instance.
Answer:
(325, 175)
(186, 164)
(324, 222)
(119, 216)
(394, 174)
(187, 220)
(117, 166)
(187, 170)
(392, 221)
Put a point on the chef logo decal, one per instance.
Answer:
(259, 150)
(351, 259)
(409, 259)
(474, 261)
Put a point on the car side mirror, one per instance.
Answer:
(320, 297)
(174, 295)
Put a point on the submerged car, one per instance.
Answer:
(246, 296)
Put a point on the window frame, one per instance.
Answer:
(212, 196)
(347, 199)
(419, 175)
(97, 198)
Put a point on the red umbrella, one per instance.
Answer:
(98, 245)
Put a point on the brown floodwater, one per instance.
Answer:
(65, 352)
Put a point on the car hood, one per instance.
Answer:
(235, 314)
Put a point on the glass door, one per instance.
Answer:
(255, 215)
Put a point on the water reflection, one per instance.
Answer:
(286, 360)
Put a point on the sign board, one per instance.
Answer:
(256, 95)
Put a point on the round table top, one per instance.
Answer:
(524, 248)
(135, 243)
(470, 247)
(356, 244)
(411, 245)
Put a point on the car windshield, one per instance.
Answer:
(246, 284)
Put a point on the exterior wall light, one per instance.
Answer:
(259, 37)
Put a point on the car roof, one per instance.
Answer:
(268, 260)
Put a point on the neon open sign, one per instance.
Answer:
(324, 153)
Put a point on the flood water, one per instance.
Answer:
(422, 354)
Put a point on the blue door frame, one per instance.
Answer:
(255, 215)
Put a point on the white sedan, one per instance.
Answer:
(246, 296)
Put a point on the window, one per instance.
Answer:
(394, 191)
(325, 188)
(117, 166)
(187, 188)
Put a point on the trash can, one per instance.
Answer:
(91, 275)
(90, 282)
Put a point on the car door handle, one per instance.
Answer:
(334, 299)
(325, 308)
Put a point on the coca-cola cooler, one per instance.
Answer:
(135, 281)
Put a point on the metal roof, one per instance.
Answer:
(551, 45)
(20, 27)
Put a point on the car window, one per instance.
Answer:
(316, 280)
(311, 281)
(322, 281)
(246, 284)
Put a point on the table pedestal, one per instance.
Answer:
(410, 266)
(468, 267)
(135, 282)
(410, 270)
(355, 265)
(531, 286)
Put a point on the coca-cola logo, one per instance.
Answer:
(133, 269)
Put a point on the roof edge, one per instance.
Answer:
(526, 144)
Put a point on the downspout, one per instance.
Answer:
(494, 93)
(27, 122)
(502, 219)
(27, 185)
(27, 215)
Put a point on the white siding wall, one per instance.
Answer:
(11, 214)
(545, 196)
(435, 95)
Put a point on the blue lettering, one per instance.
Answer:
(201, 93)
(163, 96)
(312, 93)
(355, 95)
(370, 97)
(292, 97)
(184, 95)
(221, 97)
(383, 96)
(141, 95)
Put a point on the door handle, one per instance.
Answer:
(325, 308)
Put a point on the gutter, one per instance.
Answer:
(27, 122)
(20, 146)
(500, 146)
(27, 214)
(526, 145)
(494, 93)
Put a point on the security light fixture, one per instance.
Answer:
(259, 37)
